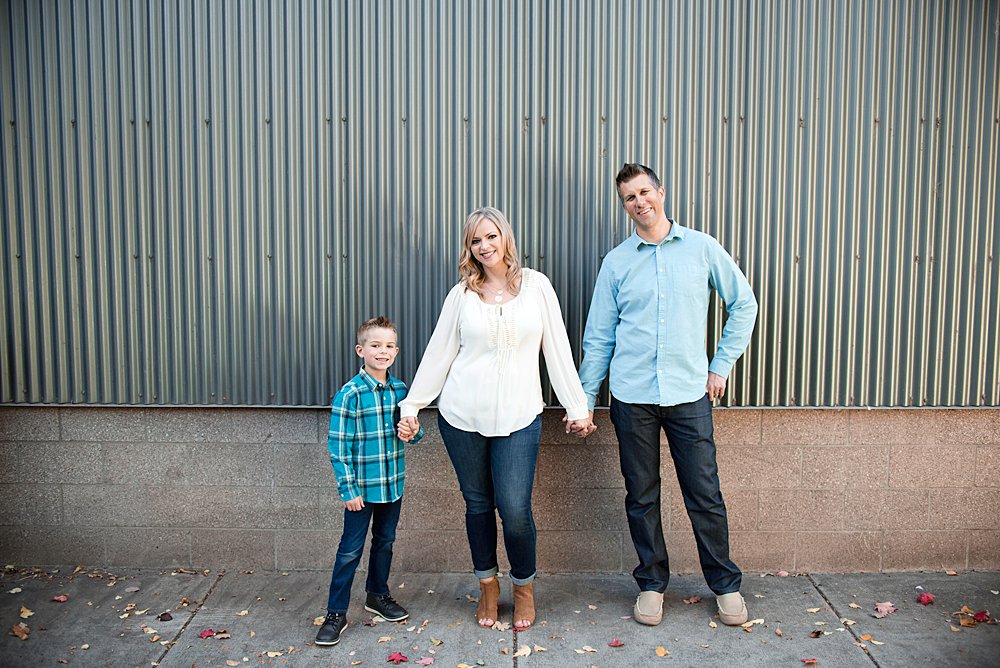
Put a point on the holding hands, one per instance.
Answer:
(582, 428)
(407, 428)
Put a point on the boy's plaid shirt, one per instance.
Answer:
(367, 456)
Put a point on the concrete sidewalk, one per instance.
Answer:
(266, 619)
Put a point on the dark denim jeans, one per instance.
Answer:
(692, 446)
(497, 473)
(383, 517)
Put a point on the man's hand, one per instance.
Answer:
(355, 504)
(581, 428)
(407, 428)
(716, 386)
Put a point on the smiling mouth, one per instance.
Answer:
(643, 212)
(487, 255)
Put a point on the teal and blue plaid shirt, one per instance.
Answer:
(367, 456)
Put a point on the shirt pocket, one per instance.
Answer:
(688, 282)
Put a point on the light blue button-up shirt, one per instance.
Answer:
(648, 319)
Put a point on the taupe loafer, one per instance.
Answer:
(732, 608)
(648, 608)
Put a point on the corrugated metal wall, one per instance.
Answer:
(202, 199)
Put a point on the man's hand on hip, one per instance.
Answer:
(716, 386)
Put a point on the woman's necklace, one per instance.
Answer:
(498, 297)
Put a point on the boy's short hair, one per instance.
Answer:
(630, 170)
(380, 322)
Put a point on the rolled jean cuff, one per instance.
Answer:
(522, 581)
(484, 575)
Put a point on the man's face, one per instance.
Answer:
(642, 201)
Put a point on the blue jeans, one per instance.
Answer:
(383, 518)
(497, 473)
(692, 446)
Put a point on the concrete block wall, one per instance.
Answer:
(807, 490)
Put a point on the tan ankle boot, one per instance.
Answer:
(524, 605)
(489, 595)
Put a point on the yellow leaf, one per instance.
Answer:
(15, 590)
(85, 646)
(244, 613)
(275, 654)
(812, 610)
(318, 621)
(25, 612)
(385, 639)
(854, 605)
(876, 642)
(253, 633)
(712, 625)
(866, 636)
(954, 628)
(588, 648)
(847, 622)
(661, 651)
(231, 663)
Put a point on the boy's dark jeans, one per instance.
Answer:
(383, 518)
(692, 447)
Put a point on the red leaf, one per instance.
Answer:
(61, 598)
(983, 616)
(883, 609)
(616, 643)
(207, 633)
(397, 658)
(926, 599)
(809, 662)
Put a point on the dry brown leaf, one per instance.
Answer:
(275, 654)
(231, 663)
(662, 651)
(812, 611)
(25, 612)
(950, 573)
(712, 625)
(954, 628)
(385, 639)
(505, 650)
(778, 633)
(866, 636)
(524, 650)
(854, 605)
(538, 648)
(20, 630)
(318, 621)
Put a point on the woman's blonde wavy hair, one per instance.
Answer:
(471, 269)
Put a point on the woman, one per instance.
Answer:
(482, 359)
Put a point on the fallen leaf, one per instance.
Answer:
(472, 599)
(661, 651)
(812, 611)
(385, 639)
(20, 630)
(809, 662)
(397, 658)
(253, 633)
(500, 626)
(954, 628)
(15, 590)
(694, 599)
(131, 590)
(368, 621)
(524, 650)
(164, 617)
(748, 629)
(426, 661)
(816, 634)
(782, 574)
(925, 599)
(950, 573)
(505, 651)
(854, 605)
(207, 633)
(222, 635)
(243, 613)
(778, 633)
(876, 642)
(85, 646)
(274, 654)
(62, 661)
(712, 625)
(592, 607)
(148, 631)
(61, 598)
(231, 663)
(436, 642)
(967, 622)
(883, 609)
(847, 622)
(866, 636)
(536, 648)
(983, 616)
(616, 643)
(995, 592)
(25, 612)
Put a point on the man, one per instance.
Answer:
(647, 322)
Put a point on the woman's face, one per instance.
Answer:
(487, 244)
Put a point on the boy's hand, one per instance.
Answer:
(407, 428)
(355, 504)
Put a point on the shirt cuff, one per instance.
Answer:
(720, 367)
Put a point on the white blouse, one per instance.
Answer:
(482, 360)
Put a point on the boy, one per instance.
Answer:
(367, 459)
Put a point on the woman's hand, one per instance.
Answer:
(581, 428)
(407, 428)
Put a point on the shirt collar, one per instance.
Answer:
(676, 232)
(371, 382)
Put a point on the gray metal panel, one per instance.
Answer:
(201, 200)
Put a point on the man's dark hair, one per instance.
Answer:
(630, 170)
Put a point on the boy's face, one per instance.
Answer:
(378, 348)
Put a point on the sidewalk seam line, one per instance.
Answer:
(850, 629)
(194, 613)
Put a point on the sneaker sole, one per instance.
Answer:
(326, 644)
(388, 619)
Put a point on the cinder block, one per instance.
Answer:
(554, 430)
(936, 466)
(191, 425)
(238, 464)
(801, 510)
(973, 425)
(894, 509)
(838, 551)
(737, 426)
(274, 425)
(579, 509)
(143, 464)
(29, 423)
(431, 552)
(304, 465)
(432, 509)
(894, 427)
(428, 466)
(984, 550)
(850, 467)
(126, 505)
(231, 507)
(759, 467)
(579, 466)
(964, 509)
(307, 549)
(147, 547)
(103, 424)
(30, 504)
(763, 551)
(305, 508)
(579, 551)
(988, 466)
(804, 427)
(232, 549)
(58, 546)
(50, 463)
(925, 550)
